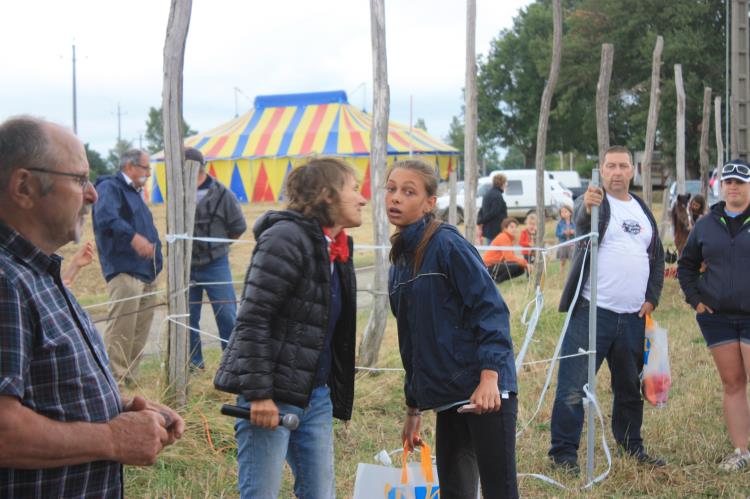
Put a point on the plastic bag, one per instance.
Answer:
(656, 377)
(411, 481)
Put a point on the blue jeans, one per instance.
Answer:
(222, 299)
(308, 450)
(619, 339)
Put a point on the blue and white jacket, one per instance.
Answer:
(452, 321)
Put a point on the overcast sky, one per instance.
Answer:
(260, 46)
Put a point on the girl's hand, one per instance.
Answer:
(487, 395)
(410, 433)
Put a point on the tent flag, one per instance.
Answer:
(366, 182)
(236, 185)
(156, 196)
(211, 170)
(262, 191)
(282, 191)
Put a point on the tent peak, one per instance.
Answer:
(304, 99)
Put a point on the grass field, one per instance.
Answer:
(688, 432)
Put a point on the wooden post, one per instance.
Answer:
(470, 125)
(703, 151)
(680, 139)
(373, 335)
(452, 188)
(719, 140)
(653, 120)
(541, 134)
(570, 161)
(181, 180)
(602, 99)
(734, 132)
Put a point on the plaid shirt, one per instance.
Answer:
(53, 360)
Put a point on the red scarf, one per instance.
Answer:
(339, 247)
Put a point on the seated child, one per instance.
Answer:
(505, 264)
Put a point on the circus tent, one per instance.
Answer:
(253, 153)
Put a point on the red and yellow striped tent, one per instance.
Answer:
(253, 153)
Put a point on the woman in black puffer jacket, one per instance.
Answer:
(292, 349)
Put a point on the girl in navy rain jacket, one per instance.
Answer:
(455, 343)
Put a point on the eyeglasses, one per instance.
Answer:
(147, 168)
(81, 179)
(734, 167)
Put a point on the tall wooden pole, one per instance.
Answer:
(181, 180)
(602, 99)
(373, 336)
(541, 134)
(470, 125)
(680, 139)
(653, 119)
(703, 151)
(719, 140)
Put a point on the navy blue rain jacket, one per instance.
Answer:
(452, 321)
(725, 284)
(118, 215)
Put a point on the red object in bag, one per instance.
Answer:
(656, 378)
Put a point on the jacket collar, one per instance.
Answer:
(412, 234)
(15, 244)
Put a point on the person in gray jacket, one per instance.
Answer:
(217, 214)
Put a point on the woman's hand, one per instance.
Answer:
(487, 395)
(701, 308)
(264, 414)
(410, 433)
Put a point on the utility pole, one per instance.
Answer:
(119, 123)
(75, 99)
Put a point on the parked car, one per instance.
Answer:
(691, 187)
(520, 195)
(570, 180)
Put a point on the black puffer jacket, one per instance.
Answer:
(283, 318)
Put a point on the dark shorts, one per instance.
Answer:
(720, 329)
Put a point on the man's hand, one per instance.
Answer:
(143, 246)
(487, 395)
(592, 197)
(410, 432)
(646, 308)
(137, 437)
(264, 414)
(175, 425)
(702, 309)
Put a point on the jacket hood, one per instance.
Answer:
(413, 233)
(272, 217)
(106, 178)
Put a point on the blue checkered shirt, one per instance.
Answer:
(53, 360)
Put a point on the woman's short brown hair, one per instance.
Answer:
(499, 180)
(314, 188)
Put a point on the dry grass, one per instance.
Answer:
(689, 432)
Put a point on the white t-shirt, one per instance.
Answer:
(623, 258)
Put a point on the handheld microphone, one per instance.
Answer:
(288, 421)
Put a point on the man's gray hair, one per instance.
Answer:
(24, 144)
(131, 156)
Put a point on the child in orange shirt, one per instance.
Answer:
(528, 235)
(505, 264)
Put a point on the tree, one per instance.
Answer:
(113, 159)
(488, 154)
(97, 165)
(512, 75)
(155, 130)
(421, 124)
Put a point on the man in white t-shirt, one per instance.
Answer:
(629, 281)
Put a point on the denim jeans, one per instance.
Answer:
(308, 450)
(619, 339)
(222, 299)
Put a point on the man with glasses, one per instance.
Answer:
(65, 430)
(130, 255)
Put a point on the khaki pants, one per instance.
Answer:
(126, 334)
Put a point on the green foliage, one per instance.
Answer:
(113, 159)
(155, 130)
(97, 165)
(421, 124)
(512, 76)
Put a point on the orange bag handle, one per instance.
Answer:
(425, 463)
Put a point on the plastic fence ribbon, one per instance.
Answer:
(404, 457)
(538, 303)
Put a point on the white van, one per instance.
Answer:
(519, 195)
(570, 180)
